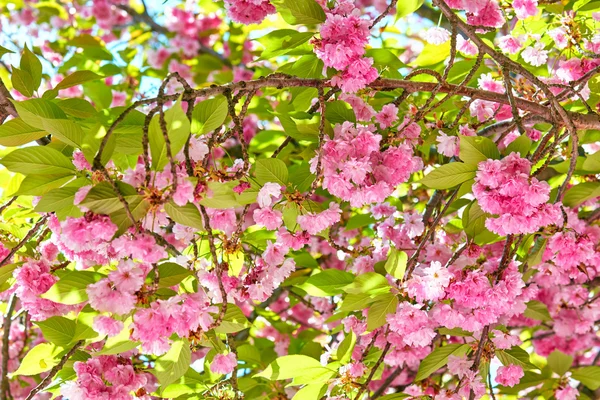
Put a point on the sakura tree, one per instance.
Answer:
(300, 199)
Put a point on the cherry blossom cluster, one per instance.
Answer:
(355, 170)
(504, 188)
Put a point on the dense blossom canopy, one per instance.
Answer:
(300, 199)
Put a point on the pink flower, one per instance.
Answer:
(275, 253)
(510, 44)
(509, 375)
(387, 116)
(156, 58)
(535, 55)
(437, 35)
(267, 217)
(184, 193)
(447, 145)
(559, 35)
(107, 326)
(566, 393)
(343, 39)
(504, 341)
(223, 363)
(315, 223)
(412, 324)
(266, 194)
(128, 277)
(118, 99)
(249, 11)
(105, 298)
(467, 47)
(459, 365)
(525, 8)
(81, 194)
(359, 74)
(80, 161)
(490, 15)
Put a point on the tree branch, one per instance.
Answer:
(5, 387)
(54, 371)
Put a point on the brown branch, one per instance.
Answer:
(381, 16)
(412, 262)
(5, 387)
(28, 236)
(365, 385)
(54, 371)
(145, 18)
(479, 353)
(7, 204)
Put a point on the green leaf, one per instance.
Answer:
(282, 41)
(102, 198)
(311, 392)
(99, 93)
(432, 54)
(139, 207)
(370, 283)
(449, 175)
(592, 162)
(406, 7)
(121, 342)
(171, 274)
(71, 287)
(187, 215)
(174, 364)
(473, 221)
(65, 130)
(515, 356)
(537, 310)
(222, 196)
(4, 50)
(77, 78)
(79, 108)
(439, 357)
(559, 362)
(338, 112)
(59, 201)
(38, 185)
(301, 368)
(40, 359)
(290, 212)
(16, 133)
(474, 149)
(300, 11)
(32, 65)
(209, 115)
(178, 130)
(589, 376)
(327, 283)
(396, 263)
(356, 302)
(359, 221)
(581, 193)
(271, 170)
(6, 272)
(34, 111)
(307, 66)
(377, 316)
(191, 382)
(58, 330)
(344, 350)
(37, 160)
(520, 145)
(234, 320)
(23, 82)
